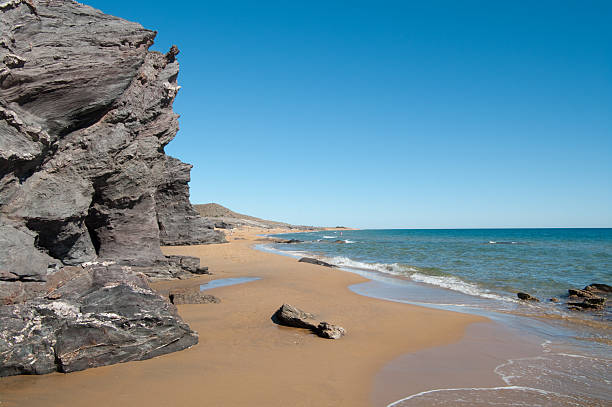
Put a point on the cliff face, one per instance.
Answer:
(86, 190)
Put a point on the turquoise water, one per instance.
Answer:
(480, 271)
(486, 263)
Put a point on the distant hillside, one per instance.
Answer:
(226, 218)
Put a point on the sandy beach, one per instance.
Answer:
(243, 358)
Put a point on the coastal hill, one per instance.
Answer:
(225, 218)
(87, 193)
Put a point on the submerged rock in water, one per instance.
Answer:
(599, 288)
(526, 297)
(315, 261)
(576, 293)
(597, 303)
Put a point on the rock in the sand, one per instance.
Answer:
(330, 331)
(553, 299)
(315, 261)
(89, 316)
(191, 295)
(527, 297)
(289, 315)
(600, 288)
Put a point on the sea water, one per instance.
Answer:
(480, 271)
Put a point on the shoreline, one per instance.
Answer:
(243, 358)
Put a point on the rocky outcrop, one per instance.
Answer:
(89, 316)
(85, 114)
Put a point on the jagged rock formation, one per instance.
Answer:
(85, 113)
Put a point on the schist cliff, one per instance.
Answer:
(87, 194)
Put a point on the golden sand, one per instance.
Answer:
(243, 358)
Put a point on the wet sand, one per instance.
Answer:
(243, 358)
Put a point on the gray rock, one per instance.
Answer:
(289, 315)
(330, 331)
(99, 316)
(601, 288)
(191, 296)
(526, 297)
(85, 114)
(315, 261)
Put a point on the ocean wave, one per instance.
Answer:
(349, 241)
(389, 268)
(500, 396)
(329, 237)
(494, 242)
(456, 284)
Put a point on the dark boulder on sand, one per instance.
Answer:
(315, 261)
(288, 315)
(527, 297)
(83, 317)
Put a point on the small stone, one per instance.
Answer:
(526, 297)
(553, 299)
(330, 331)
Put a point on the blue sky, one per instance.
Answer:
(394, 114)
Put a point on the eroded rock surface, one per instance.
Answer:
(85, 114)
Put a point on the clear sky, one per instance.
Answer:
(393, 114)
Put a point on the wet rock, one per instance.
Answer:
(526, 297)
(576, 293)
(191, 296)
(599, 288)
(289, 315)
(291, 241)
(595, 303)
(315, 261)
(553, 299)
(326, 330)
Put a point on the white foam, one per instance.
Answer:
(463, 389)
(392, 268)
(329, 237)
(455, 284)
(349, 241)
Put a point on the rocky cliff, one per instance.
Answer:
(86, 191)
